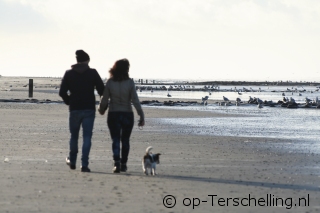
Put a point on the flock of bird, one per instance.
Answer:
(285, 102)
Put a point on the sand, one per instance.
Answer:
(193, 168)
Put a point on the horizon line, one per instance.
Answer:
(185, 80)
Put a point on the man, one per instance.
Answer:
(77, 91)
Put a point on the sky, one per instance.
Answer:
(245, 40)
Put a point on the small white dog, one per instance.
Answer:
(149, 161)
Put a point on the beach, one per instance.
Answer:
(197, 172)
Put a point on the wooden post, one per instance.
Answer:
(30, 88)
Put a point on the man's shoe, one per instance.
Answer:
(123, 167)
(72, 166)
(116, 168)
(85, 169)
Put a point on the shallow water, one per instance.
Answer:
(301, 126)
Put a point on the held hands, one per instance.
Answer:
(100, 111)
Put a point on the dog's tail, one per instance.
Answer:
(148, 150)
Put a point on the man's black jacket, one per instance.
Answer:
(81, 81)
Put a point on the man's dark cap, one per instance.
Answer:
(82, 56)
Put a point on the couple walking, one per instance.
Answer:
(77, 91)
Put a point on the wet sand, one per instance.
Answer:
(193, 168)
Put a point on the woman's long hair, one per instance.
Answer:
(120, 70)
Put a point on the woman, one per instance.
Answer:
(121, 91)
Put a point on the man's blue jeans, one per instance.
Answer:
(78, 118)
(120, 125)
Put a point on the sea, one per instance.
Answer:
(301, 126)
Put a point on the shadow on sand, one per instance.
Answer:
(217, 180)
(245, 183)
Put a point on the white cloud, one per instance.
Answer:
(19, 18)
